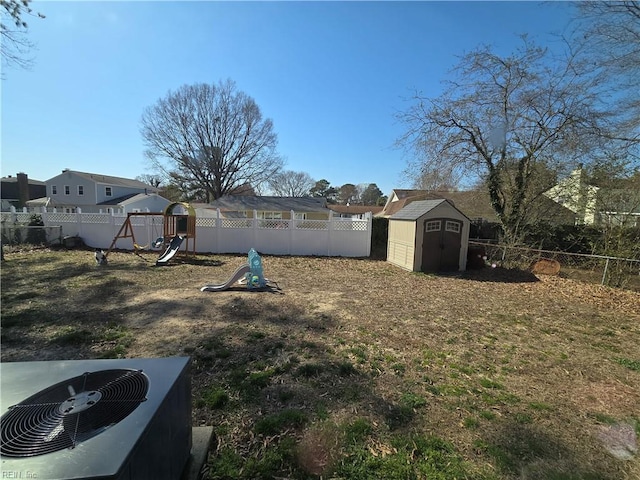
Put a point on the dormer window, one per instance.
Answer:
(108, 192)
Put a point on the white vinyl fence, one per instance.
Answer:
(342, 237)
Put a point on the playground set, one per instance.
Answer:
(176, 229)
(179, 228)
(249, 274)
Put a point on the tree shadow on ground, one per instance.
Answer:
(528, 452)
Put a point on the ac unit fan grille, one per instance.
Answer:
(71, 411)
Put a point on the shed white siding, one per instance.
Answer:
(401, 244)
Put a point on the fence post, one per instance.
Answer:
(292, 226)
(112, 223)
(369, 217)
(254, 230)
(79, 221)
(604, 275)
(218, 231)
(330, 227)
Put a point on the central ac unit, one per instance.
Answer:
(96, 419)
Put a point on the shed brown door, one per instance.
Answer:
(441, 245)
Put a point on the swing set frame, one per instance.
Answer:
(172, 225)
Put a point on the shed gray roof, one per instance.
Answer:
(415, 210)
(269, 204)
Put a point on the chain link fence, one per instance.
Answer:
(610, 271)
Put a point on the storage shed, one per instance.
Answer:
(429, 236)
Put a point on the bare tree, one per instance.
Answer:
(150, 179)
(505, 119)
(15, 47)
(607, 36)
(424, 177)
(213, 136)
(291, 184)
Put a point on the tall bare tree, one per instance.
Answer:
(607, 36)
(291, 184)
(506, 119)
(15, 47)
(213, 136)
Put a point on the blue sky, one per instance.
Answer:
(331, 76)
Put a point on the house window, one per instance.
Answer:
(54, 190)
(300, 216)
(67, 190)
(432, 226)
(452, 227)
(107, 191)
(270, 215)
(80, 190)
(70, 210)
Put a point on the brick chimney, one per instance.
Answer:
(23, 188)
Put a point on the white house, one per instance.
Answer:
(95, 193)
(577, 195)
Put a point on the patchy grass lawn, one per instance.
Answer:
(357, 369)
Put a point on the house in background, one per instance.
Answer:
(266, 208)
(575, 194)
(17, 191)
(476, 205)
(618, 203)
(354, 211)
(95, 193)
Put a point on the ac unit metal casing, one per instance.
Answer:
(153, 442)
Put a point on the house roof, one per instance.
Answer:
(394, 207)
(269, 204)
(355, 209)
(118, 200)
(12, 179)
(404, 193)
(416, 209)
(130, 198)
(473, 203)
(40, 202)
(109, 180)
